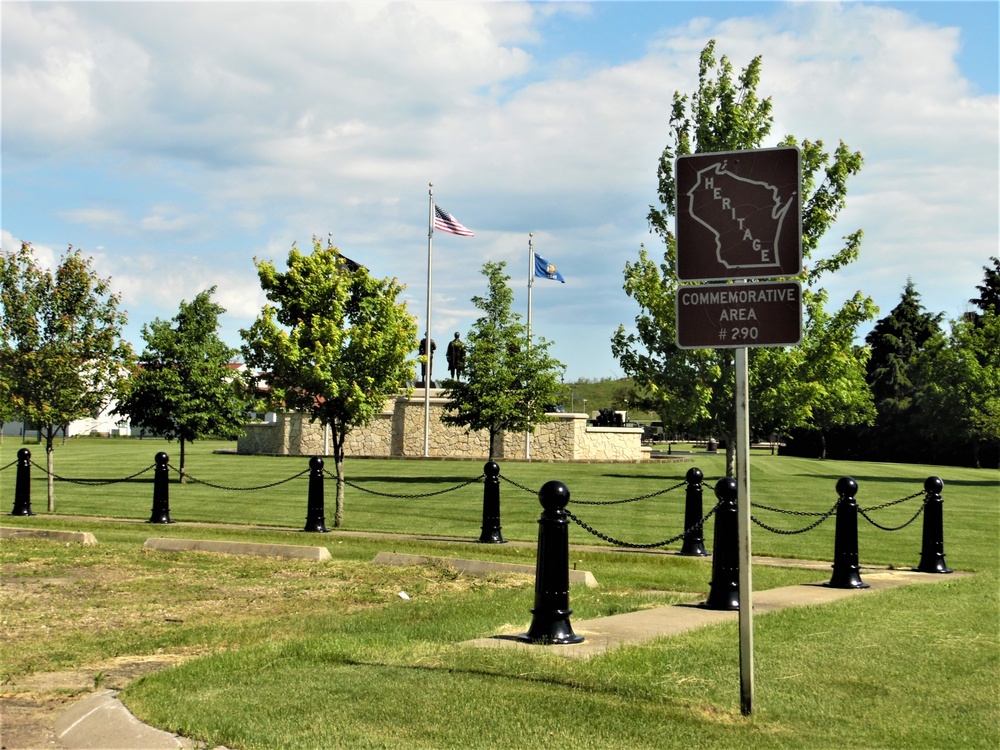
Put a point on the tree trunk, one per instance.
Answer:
(822, 445)
(730, 455)
(182, 461)
(339, 435)
(338, 514)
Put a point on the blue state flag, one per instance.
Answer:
(545, 270)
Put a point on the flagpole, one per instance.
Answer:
(531, 280)
(427, 322)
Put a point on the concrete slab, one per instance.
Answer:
(606, 633)
(238, 548)
(70, 537)
(101, 722)
(476, 567)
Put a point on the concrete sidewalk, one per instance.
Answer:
(101, 722)
(606, 633)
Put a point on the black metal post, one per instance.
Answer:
(846, 570)
(161, 490)
(316, 511)
(550, 622)
(725, 584)
(694, 536)
(932, 550)
(22, 485)
(491, 505)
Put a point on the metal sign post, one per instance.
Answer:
(739, 217)
(743, 507)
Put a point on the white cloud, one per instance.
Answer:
(247, 126)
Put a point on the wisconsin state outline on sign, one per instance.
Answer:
(745, 216)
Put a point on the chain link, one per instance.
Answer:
(240, 489)
(9, 465)
(892, 528)
(810, 527)
(519, 486)
(651, 545)
(91, 482)
(893, 502)
(788, 512)
(631, 499)
(407, 497)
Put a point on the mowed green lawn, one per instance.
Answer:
(306, 655)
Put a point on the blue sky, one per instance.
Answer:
(174, 142)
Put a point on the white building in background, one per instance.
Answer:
(104, 424)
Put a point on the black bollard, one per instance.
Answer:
(22, 485)
(316, 511)
(725, 585)
(550, 621)
(846, 570)
(161, 490)
(932, 550)
(694, 536)
(491, 505)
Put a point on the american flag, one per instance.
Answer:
(448, 223)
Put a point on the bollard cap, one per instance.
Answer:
(315, 463)
(725, 489)
(491, 469)
(24, 454)
(847, 487)
(933, 485)
(161, 459)
(554, 495)
(694, 476)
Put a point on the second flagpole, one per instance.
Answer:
(531, 280)
(427, 322)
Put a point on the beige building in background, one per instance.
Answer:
(398, 431)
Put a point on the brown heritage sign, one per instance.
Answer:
(739, 215)
(729, 316)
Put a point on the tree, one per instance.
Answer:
(509, 380)
(835, 366)
(988, 300)
(956, 378)
(695, 388)
(896, 340)
(63, 355)
(333, 344)
(184, 387)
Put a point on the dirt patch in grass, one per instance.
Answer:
(79, 619)
(31, 704)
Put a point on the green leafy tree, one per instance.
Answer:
(184, 387)
(695, 388)
(895, 341)
(6, 406)
(63, 355)
(956, 378)
(508, 382)
(988, 300)
(333, 343)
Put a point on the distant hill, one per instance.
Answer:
(591, 396)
